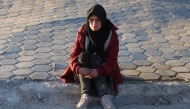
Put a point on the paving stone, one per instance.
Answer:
(30, 42)
(59, 47)
(60, 65)
(142, 62)
(8, 62)
(10, 44)
(59, 58)
(31, 37)
(139, 56)
(32, 32)
(145, 69)
(153, 53)
(45, 39)
(59, 42)
(41, 68)
(39, 76)
(166, 73)
(166, 50)
(26, 58)
(45, 34)
(130, 73)
(45, 44)
(59, 52)
(22, 71)
(13, 49)
(7, 68)
(125, 59)
(42, 61)
(127, 66)
(180, 69)
(25, 65)
(140, 50)
(149, 76)
(43, 55)
(4, 37)
(18, 34)
(27, 52)
(10, 55)
(184, 53)
(29, 47)
(184, 76)
(156, 59)
(174, 63)
(5, 75)
(43, 50)
(171, 56)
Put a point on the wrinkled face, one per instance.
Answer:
(94, 23)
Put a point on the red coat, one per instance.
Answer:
(109, 65)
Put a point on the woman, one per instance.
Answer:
(94, 59)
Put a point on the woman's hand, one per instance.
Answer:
(84, 71)
(93, 74)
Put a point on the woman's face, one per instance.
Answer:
(94, 23)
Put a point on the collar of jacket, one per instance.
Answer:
(87, 40)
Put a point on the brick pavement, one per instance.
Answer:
(36, 37)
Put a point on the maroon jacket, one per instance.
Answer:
(109, 65)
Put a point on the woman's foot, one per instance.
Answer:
(107, 102)
(84, 102)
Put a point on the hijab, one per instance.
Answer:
(97, 38)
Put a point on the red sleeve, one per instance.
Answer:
(76, 50)
(110, 56)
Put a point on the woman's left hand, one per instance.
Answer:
(94, 74)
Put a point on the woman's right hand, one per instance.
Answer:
(84, 71)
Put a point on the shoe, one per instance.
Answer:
(106, 102)
(84, 102)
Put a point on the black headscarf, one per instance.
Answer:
(97, 38)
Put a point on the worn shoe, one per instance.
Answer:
(106, 102)
(84, 102)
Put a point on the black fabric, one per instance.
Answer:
(98, 38)
(97, 86)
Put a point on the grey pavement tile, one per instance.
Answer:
(145, 69)
(60, 65)
(43, 55)
(16, 39)
(43, 50)
(46, 25)
(14, 44)
(29, 42)
(59, 42)
(185, 59)
(5, 36)
(26, 58)
(150, 76)
(184, 53)
(8, 62)
(18, 34)
(13, 49)
(160, 66)
(41, 68)
(45, 39)
(29, 47)
(123, 53)
(24, 71)
(5, 75)
(165, 50)
(45, 34)
(156, 59)
(175, 63)
(2, 42)
(24, 65)
(166, 73)
(183, 76)
(59, 52)
(142, 62)
(180, 69)
(10, 55)
(59, 58)
(139, 56)
(171, 55)
(32, 32)
(42, 61)
(153, 53)
(27, 52)
(125, 59)
(2, 46)
(127, 66)
(39, 76)
(130, 73)
(7, 68)
(45, 44)
(31, 37)
(133, 50)
(59, 47)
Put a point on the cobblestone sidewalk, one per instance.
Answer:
(36, 37)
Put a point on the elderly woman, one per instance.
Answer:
(93, 60)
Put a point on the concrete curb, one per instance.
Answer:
(155, 93)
